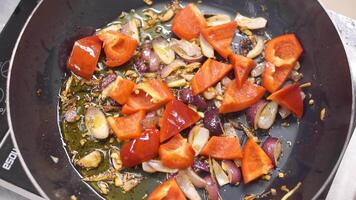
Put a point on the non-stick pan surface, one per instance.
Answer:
(38, 67)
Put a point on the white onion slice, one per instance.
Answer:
(250, 23)
(268, 115)
(175, 65)
(206, 48)
(195, 178)
(162, 48)
(187, 186)
(96, 123)
(257, 50)
(157, 166)
(219, 173)
(198, 137)
(218, 20)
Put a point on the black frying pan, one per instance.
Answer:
(37, 66)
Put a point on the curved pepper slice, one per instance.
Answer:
(121, 90)
(177, 153)
(141, 149)
(176, 118)
(151, 95)
(127, 127)
(223, 148)
(242, 67)
(84, 56)
(283, 50)
(255, 162)
(208, 75)
(118, 47)
(237, 99)
(274, 77)
(220, 37)
(289, 97)
(188, 22)
(168, 190)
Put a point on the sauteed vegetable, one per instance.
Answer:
(159, 97)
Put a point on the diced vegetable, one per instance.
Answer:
(223, 148)
(273, 148)
(96, 123)
(177, 153)
(141, 149)
(208, 75)
(212, 121)
(121, 90)
(176, 118)
(166, 191)
(163, 50)
(257, 49)
(242, 67)
(91, 160)
(219, 173)
(220, 37)
(290, 98)
(195, 178)
(274, 77)
(250, 23)
(189, 15)
(232, 170)
(206, 48)
(283, 51)
(84, 57)
(118, 47)
(187, 186)
(268, 115)
(127, 127)
(152, 166)
(198, 137)
(237, 99)
(218, 20)
(253, 113)
(255, 162)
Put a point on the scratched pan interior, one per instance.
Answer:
(38, 64)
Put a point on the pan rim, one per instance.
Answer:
(44, 195)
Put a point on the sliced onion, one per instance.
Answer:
(195, 178)
(257, 50)
(175, 65)
(206, 48)
(219, 173)
(211, 188)
(96, 123)
(268, 115)
(273, 148)
(229, 129)
(187, 186)
(198, 137)
(162, 48)
(258, 70)
(253, 113)
(147, 168)
(188, 51)
(284, 112)
(218, 20)
(159, 167)
(200, 165)
(232, 171)
(91, 160)
(131, 29)
(250, 23)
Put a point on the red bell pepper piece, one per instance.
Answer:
(220, 37)
(283, 50)
(152, 95)
(177, 153)
(141, 149)
(84, 57)
(168, 190)
(127, 127)
(208, 75)
(255, 162)
(188, 22)
(121, 90)
(176, 118)
(242, 67)
(289, 97)
(118, 47)
(223, 148)
(274, 77)
(237, 99)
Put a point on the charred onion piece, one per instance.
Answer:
(273, 148)
(232, 171)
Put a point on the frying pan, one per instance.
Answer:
(38, 66)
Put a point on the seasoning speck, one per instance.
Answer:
(73, 197)
(322, 114)
(54, 159)
(281, 175)
(148, 2)
(273, 192)
(39, 92)
(311, 102)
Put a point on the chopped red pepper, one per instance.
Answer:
(127, 127)
(237, 99)
(255, 162)
(84, 57)
(220, 37)
(191, 17)
(177, 153)
(289, 97)
(242, 67)
(223, 148)
(141, 149)
(208, 75)
(121, 90)
(168, 190)
(283, 51)
(152, 95)
(118, 47)
(176, 118)
(274, 77)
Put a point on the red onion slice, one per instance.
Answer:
(211, 188)
(253, 113)
(187, 186)
(219, 173)
(268, 115)
(195, 178)
(273, 148)
(232, 170)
